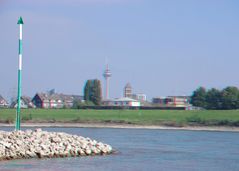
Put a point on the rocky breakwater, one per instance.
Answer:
(43, 144)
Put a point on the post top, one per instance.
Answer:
(20, 21)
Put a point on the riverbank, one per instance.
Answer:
(169, 119)
(124, 126)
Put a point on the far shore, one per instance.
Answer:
(125, 126)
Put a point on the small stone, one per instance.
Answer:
(38, 130)
(88, 151)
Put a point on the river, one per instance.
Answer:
(145, 150)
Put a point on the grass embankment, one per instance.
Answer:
(141, 117)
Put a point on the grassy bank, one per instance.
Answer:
(142, 117)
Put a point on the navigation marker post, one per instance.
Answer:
(18, 120)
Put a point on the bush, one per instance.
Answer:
(27, 117)
(195, 119)
(9, 121)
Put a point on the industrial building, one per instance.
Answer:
(172, 101)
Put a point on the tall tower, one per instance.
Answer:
(107, 74)
(128, 91)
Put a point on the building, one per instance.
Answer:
(3, 102)
(107, 74)
(123, 102)
(78, 98)
(141, 97)
(172, 101)
(25, 103)
(68, 100)
(44, 100)
(41, 100)
(128, 90)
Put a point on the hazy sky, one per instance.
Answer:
(162, 47)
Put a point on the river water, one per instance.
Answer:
(146, 150)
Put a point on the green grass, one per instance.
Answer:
(143, 117)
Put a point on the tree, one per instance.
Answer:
(87, 91)
(198, 97)
(92, 91)
(97, 92)
(214, 99)
(77, 104)
(230, 98)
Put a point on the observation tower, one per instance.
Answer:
(107, 74)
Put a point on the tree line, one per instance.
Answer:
(225, 99)
(215, 99)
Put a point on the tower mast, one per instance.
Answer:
(107, 74)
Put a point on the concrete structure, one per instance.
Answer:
(124, 102)
(128, 90)
(107, 74)
(3, 102)
(172, 101)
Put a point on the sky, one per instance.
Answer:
(161, 47)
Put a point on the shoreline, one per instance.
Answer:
(125, 126)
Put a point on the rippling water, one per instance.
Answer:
(142, 149)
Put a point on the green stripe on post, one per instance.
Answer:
(19, 100)
(20, 46)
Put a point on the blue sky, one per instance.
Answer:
(162, 47)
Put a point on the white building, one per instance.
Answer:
(140, 96)
(124, 102)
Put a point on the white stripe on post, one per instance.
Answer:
(20, 61)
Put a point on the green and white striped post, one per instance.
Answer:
(18, 120)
